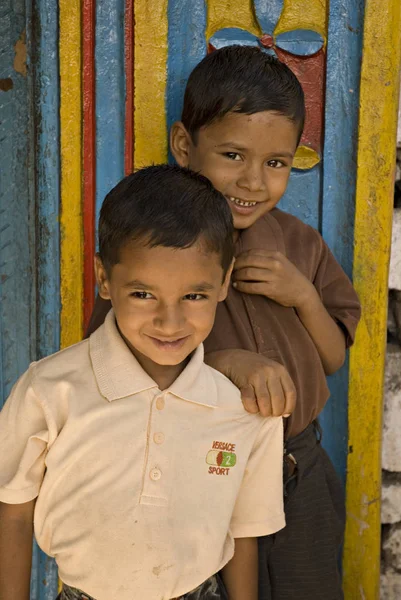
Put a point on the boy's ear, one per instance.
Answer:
(226, 283)
(101, 278)
(180, 142)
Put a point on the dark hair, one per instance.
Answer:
(241, 79)
(165, 205)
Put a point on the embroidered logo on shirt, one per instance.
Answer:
(221, 458)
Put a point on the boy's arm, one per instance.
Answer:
(271, 274)
(16, 534)
(327, 336)
(265, 385)
(240, 575)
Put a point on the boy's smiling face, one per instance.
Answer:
(164, 301)
(247, 157)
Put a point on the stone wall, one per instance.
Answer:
(391, 458)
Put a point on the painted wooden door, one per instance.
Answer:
(88, 90)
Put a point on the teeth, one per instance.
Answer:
(241, 202)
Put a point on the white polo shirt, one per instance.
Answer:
(140, 492)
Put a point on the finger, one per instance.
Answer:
(249, 399)
(261, 252)
(290, 394)
(252, 274)
(251, 288)
(277, 396)
(259, 262)
(263, 397)
(252, 260)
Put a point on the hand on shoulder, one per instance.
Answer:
(265, 385)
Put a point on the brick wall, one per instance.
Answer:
(391, 458)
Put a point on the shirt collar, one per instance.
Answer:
(118, 373)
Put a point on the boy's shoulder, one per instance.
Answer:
(290, 225)
(228, 396)
(279, 230)
(73, 362)
(227, 393)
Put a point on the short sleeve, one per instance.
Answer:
(337, 294)
(259, 506)
(24, 439)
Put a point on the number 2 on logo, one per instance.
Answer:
(227, 461)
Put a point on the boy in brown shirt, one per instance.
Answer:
(290, 304)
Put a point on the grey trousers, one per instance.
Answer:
(211, 589)
(301, 562)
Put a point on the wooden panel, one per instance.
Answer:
(110, 96)
(339, 178)
(89, 150)
(17, 242)
(71, 319)
(129, 86)
(302, 197)
(373, 211)
(150, 82)
(231, 13)
(47, 131)
(47, 198)
(29, 322)
(186, 48)
(303, 14)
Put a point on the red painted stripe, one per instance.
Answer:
(89, 153)
(129, 86)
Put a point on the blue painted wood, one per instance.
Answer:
(233, 35)
(43, 64)
(186, 48)
(341, 120)
(17, 249)
(268, 14)
(301, 42)
(302, 197)
(46, 99)
(28, 326)
(110, 96)
(44, 578)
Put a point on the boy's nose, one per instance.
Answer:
(169, 321)
(252, 180)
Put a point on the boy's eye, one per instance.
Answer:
(141, 295)
(275, 164)
(232, 155)
(195, 297)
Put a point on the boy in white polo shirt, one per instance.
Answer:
(135, 461)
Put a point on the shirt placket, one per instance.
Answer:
(157, 476)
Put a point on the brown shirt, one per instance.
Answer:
(258, 324)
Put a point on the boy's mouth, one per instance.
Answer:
(242, 207)
(239, 202)
(174, 344)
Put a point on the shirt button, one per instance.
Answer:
(158, 438)
(155, 474)
(160, 403)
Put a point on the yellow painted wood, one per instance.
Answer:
(71, 248)
(231, 13)
(374, 202)
(305, 158)
(303, 14)
(150, 72)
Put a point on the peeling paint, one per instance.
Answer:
(20, 55)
